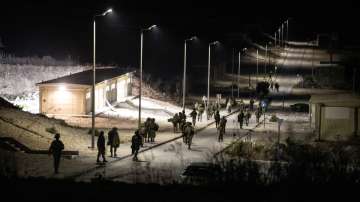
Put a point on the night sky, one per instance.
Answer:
(63, 28)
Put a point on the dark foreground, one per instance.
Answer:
(61, 190)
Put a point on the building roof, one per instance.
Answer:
(85, 77)
(348, 100)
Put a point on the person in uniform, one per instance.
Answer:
(135, 144)
(241, 118)
(277, 86)
(201, 111)
(55, 149)
(258, 115)
(101, 147)
(247, 117)
(251, 104)
(113, 141)
(222, 129)
(188, 134)
(175, 122)
(217, 119)
(193, 115)
(152, 130)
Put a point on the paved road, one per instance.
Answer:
(165, 163)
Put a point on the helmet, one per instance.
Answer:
(57, 135)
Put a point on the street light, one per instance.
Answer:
(257, 65)
(238, 77)
(141, 67)
(184, 77)
(209, 64)
(94, 77)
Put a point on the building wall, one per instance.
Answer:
(112, 90)
(62, 99)
(337, 122)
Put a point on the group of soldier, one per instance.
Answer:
(246, 113)
(146, 133)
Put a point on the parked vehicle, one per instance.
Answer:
(299, 107)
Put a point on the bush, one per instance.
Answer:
(97, 133)
(273, 118)
(51, 130)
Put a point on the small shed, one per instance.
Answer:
(335, 116)
(71, 94)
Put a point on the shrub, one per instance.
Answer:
(273, 118)
(51, 130)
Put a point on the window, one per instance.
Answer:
(87, 95)
(113, 86)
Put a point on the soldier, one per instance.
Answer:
(188, 134)
(251, 104)
(217, 119)
(153, 127)
(113, 141)
(277, 87)
(55, 149)
(135, 144)
(175, 122)
(193, 115)
(241, 103)
(247, 117)
(183, 115)
(258, 115)
(222, 129)
(146, 130)
(201, 111)
(228, 107)
(101, 147)
(209, 111)
(241, 118)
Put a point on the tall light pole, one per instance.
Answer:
(238, 77)
(275, 40)
(279, 30)
(209, 65)
(265, 57)
(94, 77)
(287, 30)
(282, 34)
(257, 65)
(184, 76)
(141, 67)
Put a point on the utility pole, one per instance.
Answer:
(232, 72)
(238, 77)
(265, 57)
(257, 65)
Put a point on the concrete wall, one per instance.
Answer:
(337, 122)
(62, 99)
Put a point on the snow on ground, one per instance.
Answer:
(159, 110)
(28, 102)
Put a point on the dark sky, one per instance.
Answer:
(61, 27)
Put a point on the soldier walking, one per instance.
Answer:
(277, 87)
(55, 149)
(222, 129)
(153, 127)
(251, 104)
(201, 110)
(217, 119)
(101, 147)
(188, 134)
(135, 144)
(193, 115)
(258, 115)
(241, 119)
(113, 141)
(247, 117)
